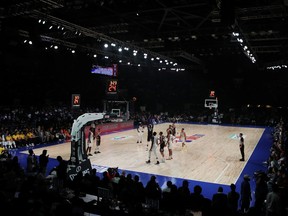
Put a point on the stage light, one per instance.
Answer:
(106, 45)
(240, 40)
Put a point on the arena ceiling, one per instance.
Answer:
(187, 32)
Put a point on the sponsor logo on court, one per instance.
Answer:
(121, 137)
(236, 136)
(190, 138)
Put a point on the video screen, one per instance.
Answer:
(108, 71)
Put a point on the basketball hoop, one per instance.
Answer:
(211, 103)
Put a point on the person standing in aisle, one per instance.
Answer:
(43, 162)
(233, 199)
(245, 194)
(32, 162)
(153, 148)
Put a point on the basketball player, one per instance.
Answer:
(183, 138)
(149, 134)
(169, 129)
(162, 143)
(173, 129)
(90, 141)
(98, 141)
(153, 148)
(140, 131)
(169, 144)
(241, 146)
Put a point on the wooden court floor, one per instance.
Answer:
(212, 153)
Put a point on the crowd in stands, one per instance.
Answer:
(30, 126)
(30, 192)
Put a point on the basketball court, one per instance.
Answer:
(211, 154)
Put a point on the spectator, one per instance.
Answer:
(273, 202)
(61, 172)
(197, 199)
(233, 199)
(32, 162)
(43, 162)
(183, 197)
(220, 202)
(245, 194)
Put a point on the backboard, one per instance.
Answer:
(211, 103)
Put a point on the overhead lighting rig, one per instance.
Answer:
(238, 36)
(115, 44)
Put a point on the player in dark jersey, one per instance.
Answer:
(162, 143)
(149, 134)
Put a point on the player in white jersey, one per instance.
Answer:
(183, 138)
(140, 132)
(169, 144)
(90, 141)
(153, 148)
